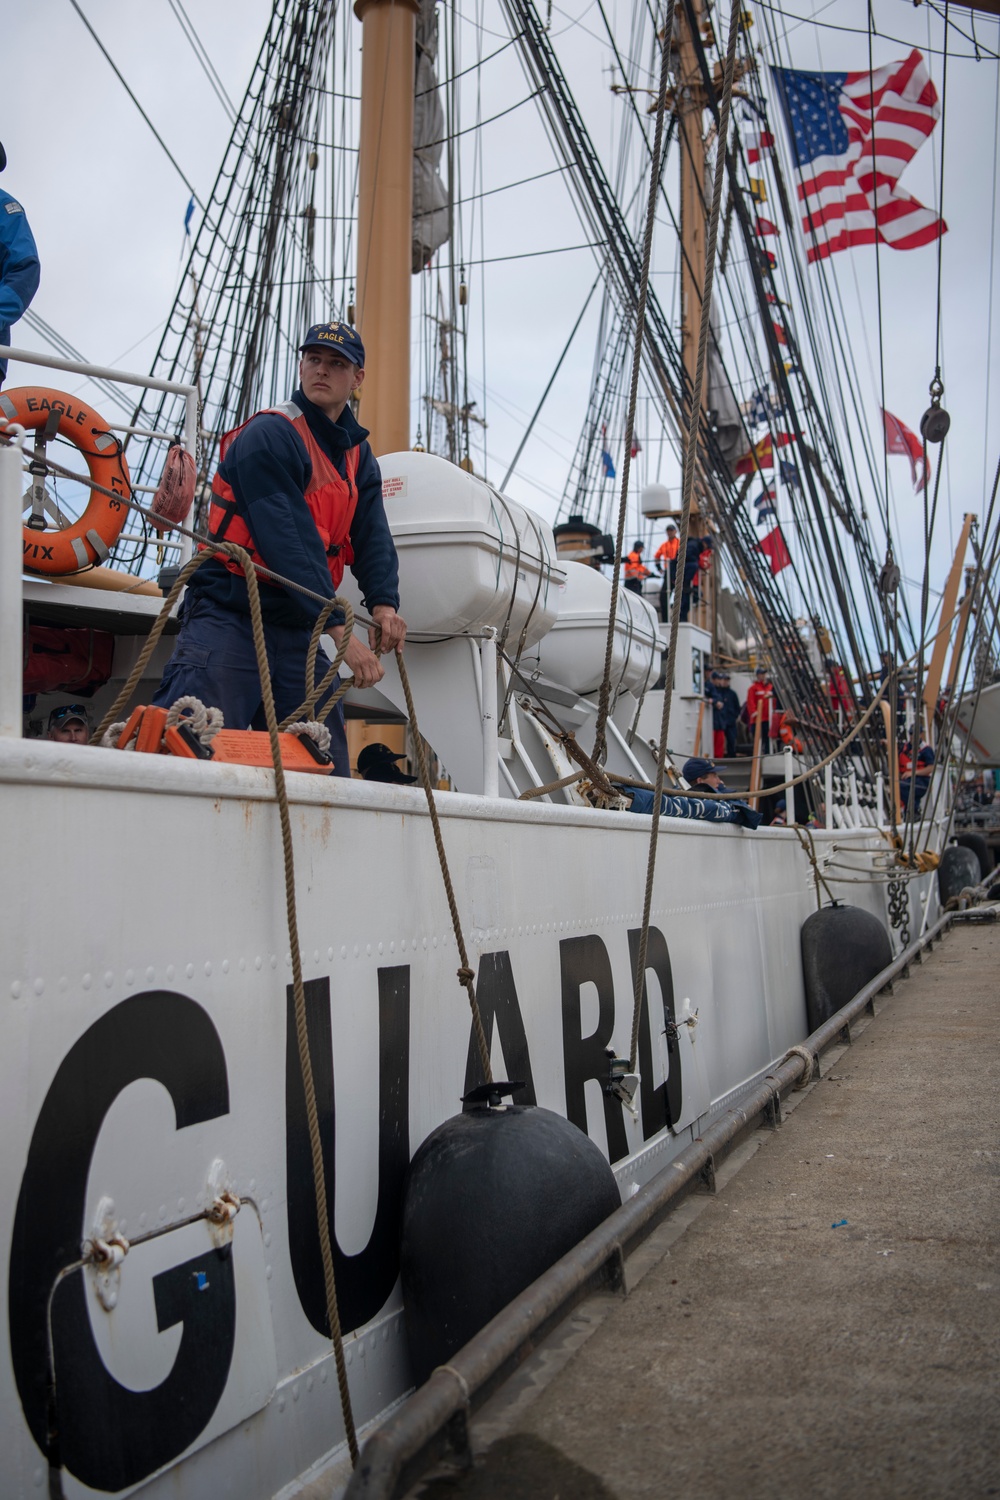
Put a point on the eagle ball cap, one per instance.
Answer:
(340, 338)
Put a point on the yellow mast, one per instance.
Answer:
(691, 103)
(936, 669)
(385, 213)
(690, 115)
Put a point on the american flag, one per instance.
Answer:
(829, 117)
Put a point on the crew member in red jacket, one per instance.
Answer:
(761, 691)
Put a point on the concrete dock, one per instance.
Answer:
(828, 1323)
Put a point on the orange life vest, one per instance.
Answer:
(635, 567)
(667, 551)
(332, 500)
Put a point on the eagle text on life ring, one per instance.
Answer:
(90, 539)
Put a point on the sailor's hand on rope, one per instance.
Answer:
(364, 664)
(388, 632)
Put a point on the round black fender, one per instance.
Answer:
(493, 1197)
(980, 848)
(843, 948)
(958, 869)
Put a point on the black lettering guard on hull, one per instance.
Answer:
(104, 1434)
(365, 1280)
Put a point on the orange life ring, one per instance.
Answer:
(90, 539)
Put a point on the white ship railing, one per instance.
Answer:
(125, 377)
(11, 481)
(11, 554)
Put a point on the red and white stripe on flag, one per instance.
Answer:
(850, 197)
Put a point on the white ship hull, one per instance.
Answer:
(148, 1063)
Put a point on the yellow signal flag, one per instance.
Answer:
(746, 20)
(758, 191)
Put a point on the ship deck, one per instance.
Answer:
(827, 1322)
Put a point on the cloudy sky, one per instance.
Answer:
(107, 210)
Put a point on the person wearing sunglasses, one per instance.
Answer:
(69, 724)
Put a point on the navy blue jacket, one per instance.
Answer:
(695, 547)
(19, 268)
(269, 467)
(726, 716)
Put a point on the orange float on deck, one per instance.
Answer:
(234, 747)
(89, 540)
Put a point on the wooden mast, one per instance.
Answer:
(690, 117)
(932, 686)
(691, 103)
(385, 213)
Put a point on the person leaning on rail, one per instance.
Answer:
(299, 487)
(704, 780)
(19, 268)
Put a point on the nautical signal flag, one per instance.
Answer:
(763, 142)
(758, 191)
(774, 549)
(764, 505)
(765, 228)
(789, 473)
(852, 134)
(607, 463)
(761, 455)
(758, 408)
(768, 262)
(779, 332)
(899, 439)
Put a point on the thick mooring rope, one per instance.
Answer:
(604, 702)
(466, 974)
(298, 991)
(690, 456)
(304, 710)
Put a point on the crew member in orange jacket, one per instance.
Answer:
(635, 569)
(665, 559)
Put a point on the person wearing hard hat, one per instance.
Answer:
(20, 271)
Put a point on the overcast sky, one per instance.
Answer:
(107, 210)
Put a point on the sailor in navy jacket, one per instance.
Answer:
(19, 268)
(267, 467)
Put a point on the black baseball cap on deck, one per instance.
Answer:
(698, 766)
(341, 338)
(378, 763)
